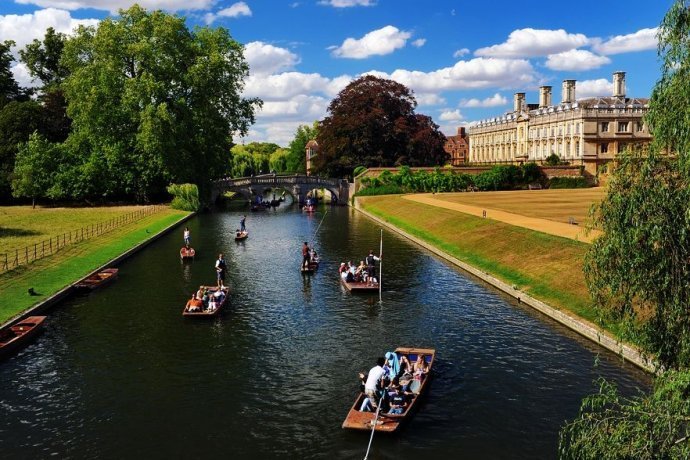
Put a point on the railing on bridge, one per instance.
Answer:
(274, 179)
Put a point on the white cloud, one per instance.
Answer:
(590, 88)
(429, 99)
(347, 3)
(494, 101)
(233, 11)
(461, 52)
(114, 5)
(451, 115)
(419, 42)
(644, 39)
(267, 59)
(476, 73)
(534, 42)
(378, 42)
(23, 29)
(300, 106)
(576, 61)
(285, 86)
(22, 76)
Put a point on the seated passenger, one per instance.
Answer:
(212, 303)
(398, 401)
(405, 365)
(420, 368)
(194, 304)
(361, 272)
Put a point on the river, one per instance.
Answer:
(119, 373)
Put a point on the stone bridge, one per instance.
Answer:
(298, 185)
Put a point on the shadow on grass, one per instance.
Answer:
(7, 232)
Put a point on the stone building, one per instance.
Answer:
(311, 150)
(458, 147)
(588, 132)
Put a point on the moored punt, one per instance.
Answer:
(97, 280)
(388, 423)
(205, 312)
(309, 208)
(360, 286)
(241, 236)
(19, 334)
(187, 253)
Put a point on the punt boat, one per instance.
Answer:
(19, 334)
(204, 313)
(97, 280)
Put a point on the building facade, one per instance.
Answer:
(311, 150)
(588, 132)
(458, 147)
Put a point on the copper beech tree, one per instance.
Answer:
(372, 123)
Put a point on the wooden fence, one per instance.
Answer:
(24, 256)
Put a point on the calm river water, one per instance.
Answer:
(120, 373)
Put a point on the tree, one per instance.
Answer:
(33, 172)
(278, 160)
(638, 271)
(17, 121)
(9, 88)
(372, 123)
(153, 102)
(296, 161)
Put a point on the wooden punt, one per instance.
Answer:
(242, 236)
(389, 423)
(19, 334)
(207, 313)
(98, 279)
(311, 269)
(360, 287)
(187, 253)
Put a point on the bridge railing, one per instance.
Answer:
(277, 180)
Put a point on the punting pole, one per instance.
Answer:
(380, 265)
(376, 419)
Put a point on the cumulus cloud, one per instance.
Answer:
(534, 42)
(644, 39)
(23, 29)
(576, 60)
(472, 74)
(419, 42)
(22, 76)
(233, 11)
(494, 101)
(451, 115)
(378, 42)
(347, 3)
(429, 99)
(114, 5)
(264, 58)
(285, 86)
(590, 88)
(461, 52)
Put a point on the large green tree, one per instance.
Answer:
(153, 102)
(17, 121)
(296, 160)
(9, 88)
(639, 272)
(372, 123)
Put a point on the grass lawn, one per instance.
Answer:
(22, 226)
(48, 276)
(546, 267)
(557, 205)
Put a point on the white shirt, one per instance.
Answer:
(375, 375)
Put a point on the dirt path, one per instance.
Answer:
(573, 232)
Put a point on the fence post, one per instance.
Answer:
(43, 248)
(26, 254)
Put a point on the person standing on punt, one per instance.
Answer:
(371, 385)
(306, 257)
(371, 266)
(242, 224)
(220, 271)
(186, 236)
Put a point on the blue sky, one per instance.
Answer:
(463, 59)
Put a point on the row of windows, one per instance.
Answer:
(623, 126)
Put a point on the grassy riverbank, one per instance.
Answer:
(49, 275)
(546, 267)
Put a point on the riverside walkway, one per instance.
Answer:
(573, 232)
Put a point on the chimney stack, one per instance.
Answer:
(518, 102)
(619, 85)
(568, 95)
(544, 96)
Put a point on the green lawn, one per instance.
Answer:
(546, 267)
(48, 276)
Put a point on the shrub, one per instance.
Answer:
(359, 170)
(381, 190)
(185, 197)
(569, 182)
